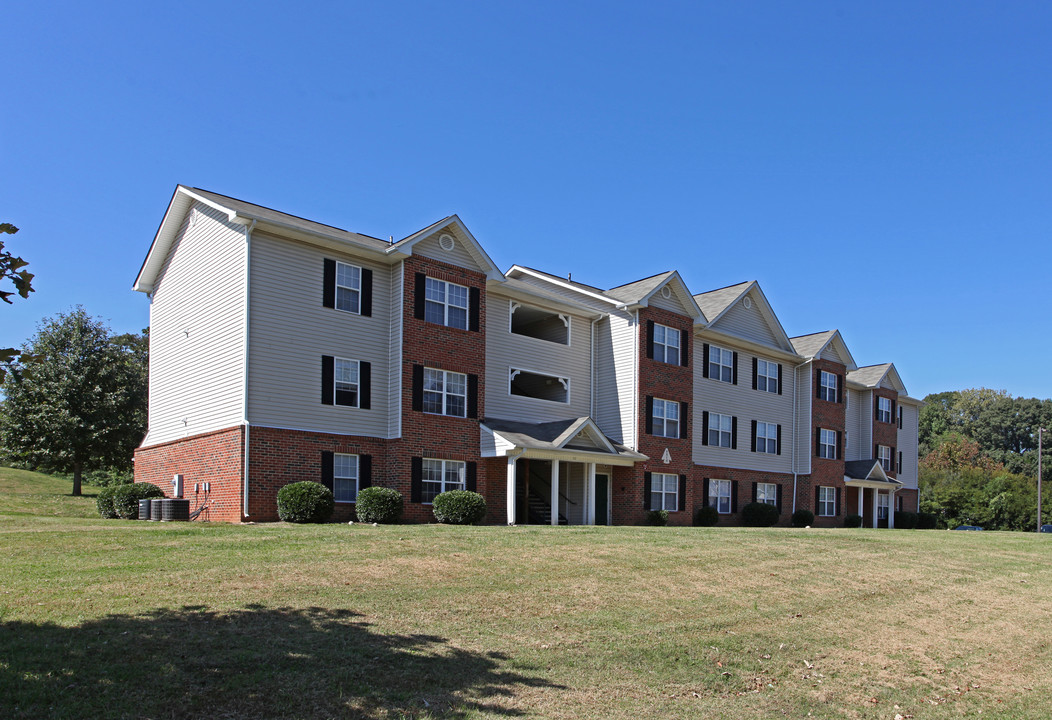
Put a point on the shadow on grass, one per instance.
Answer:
(257, 662)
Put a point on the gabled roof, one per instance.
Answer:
(717, 303)
(586, 290)
(811, 346)
(872, 375)
(714, 302)
(559, 435)
(404, 247)
(870, 470)
(640, 292)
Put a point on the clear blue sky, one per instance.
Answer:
(882, 168)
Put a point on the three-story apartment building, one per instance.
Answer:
(285, 350)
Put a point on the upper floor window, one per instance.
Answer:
(348, 287)
(666, 344)
(439, 476)
(884, 409)
(721, 364)
(344, 477)
(884, 456)
(345, 382)
(826, 502)
(664, 492)
(827, 386)
(827, 442)
(446, 303)
(767, 438)
(666, 418)
(720, 495)
(767, 376)
(721, 428)
(445, 393)
(767, 493)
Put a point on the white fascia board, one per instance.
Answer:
(404, 247)
(178, 206)
(568, 286)
(707, 334)
(577, 428)
(543, 301)
(318, 239)
(582, 456)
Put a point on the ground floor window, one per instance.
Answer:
(344, 477)
(720, 495)
(883, 501)
(438, 476)
(767, 493)
(826, 501)
(664, 492)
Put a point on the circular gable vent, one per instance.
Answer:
(747, 302)
(666, 292)
(446, 241)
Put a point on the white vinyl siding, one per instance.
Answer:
(805, 393)
(907, 444)
(749, 324)
(853, 441)
(672, 303)
(430, 248)
(616, 343)
(197, 321)
(290, 331)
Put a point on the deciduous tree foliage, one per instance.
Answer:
(81, 405)
(12, 268)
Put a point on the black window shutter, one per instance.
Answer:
(838, 501)
(898, 468)
(892, 411)
(650, 339)
(326, 469)
(366, 305)
(779, 501)
(734, 496)
(900, 417)
(682, 493)
(754, 438)
(840, 388)
(705, 491)
(365, 385)
(754, 484)
(705, 427)
(328, 290)
(647, 480)
(892, 459)
(755, 371)
(876, 406)
(839, 445)
(475, 308)
(471, 476)
(416, 478)
(817, 508)
(649, 414)
(876, 451)
(705, 360)
(473, 396)
(734, 433)
(734, 370)
(818, 384)
(418, 296)
(779, 379)
(365, 471)
(327, 369)
(418, 387)
(684, 412)
(818, 442)
(684, 344)
(778, 442)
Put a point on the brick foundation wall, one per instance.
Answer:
(745, 479)
(910, 500)
(215, 458)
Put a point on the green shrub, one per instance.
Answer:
(459, 507)
(926, 521)
(378, 505)
(853, 521)
(803, 518)
(905, 520)
(757, 514)
(658, 518)
(126, 498)
(104, 502)
(305, 502)
(707, 516)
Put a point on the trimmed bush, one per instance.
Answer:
(305, 502)
(853, 521)
(104, 502)
(803, 518)
(926, 521)
(126, 498)
(378, 505)
(905, 520)
(657, 518)
(459, 507)
(707, 516)
(758, 514)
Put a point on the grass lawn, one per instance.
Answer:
(111, 618)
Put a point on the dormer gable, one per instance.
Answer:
(827, 345)
(879, 376)
(665, 290)
(449, 241)
(743, 310)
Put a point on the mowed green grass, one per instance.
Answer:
(150, 620)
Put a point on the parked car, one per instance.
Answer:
(967, 527)
(1046, 528)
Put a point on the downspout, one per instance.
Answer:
(796, 394)
(244, 390)
(591, 406)
(635, 381)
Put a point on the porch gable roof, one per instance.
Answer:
(579, 436)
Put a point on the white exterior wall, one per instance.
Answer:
(672, 304)
(747, 405)
(506, 350)
(908, 444)
(865, 430)
(746, 323)
(617, 337)
(394, 356)
(853, 425)
(197, 320)
(430, 248)
(805, 393)
(291, 331)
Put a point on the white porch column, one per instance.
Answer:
(589, 494)
(861, 505)
(511, 491)
(891, 510)
(555, 492)
(875, 508)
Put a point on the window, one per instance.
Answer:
(666, 344)
(767, 376)
(664, 492)
(666, 418)
(827, 386)
(540, 387)
(446, 303)
(827, 444)
(445, 393)
(721, 364)
(345, 477)
(720, 495)
(884, 409)
(826, 501)
(345, 382)
(900, 419)
(540, 324)
(767, 438)
(883, 503)
(884, 455)
(438, 476)
(720, 430)
(348, 287)
(767, 493)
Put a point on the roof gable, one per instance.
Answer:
(665, 290)
(744, 311)
(827, 345)
(884, 376)
(448, 240)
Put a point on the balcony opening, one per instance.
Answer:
(540, 387)
(541, 324)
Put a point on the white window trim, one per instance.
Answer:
(766, 438)
(666, 347)
(715, 497)
(446, 304)
(356, 479)
(885, 462)
(830, 493)
(882, 412)
(883, 504)
(730, 431)
(833, 455)
(826, 389)
(357, 385)
(766, 376)
(444, 463)
(764, 488)
(720, 365)
(512, 372)
(665, 493)
(336, 289)
(444, 392)
(664, 418)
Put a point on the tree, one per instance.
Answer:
(81, 405)
(12, 268)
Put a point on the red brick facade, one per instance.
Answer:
(744, 480)
(828, 415)
(886, 433)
